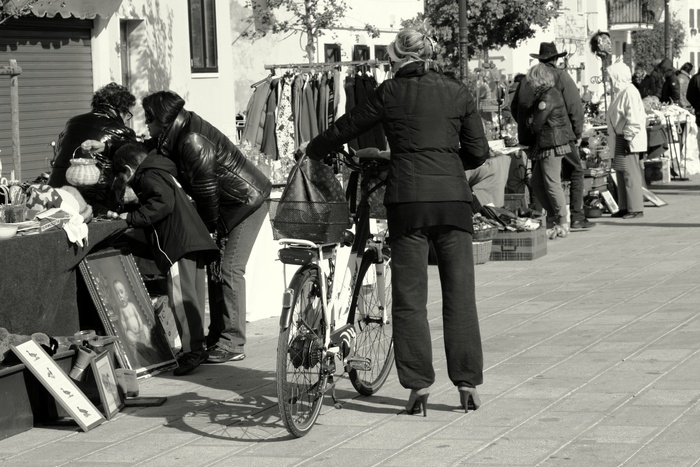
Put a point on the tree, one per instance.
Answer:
(648, 45)
(16, 8)
(308, 17)
(491, 24)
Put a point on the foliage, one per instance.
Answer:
(17, 8)
(491, 24)
(648, 45)
(307, 17)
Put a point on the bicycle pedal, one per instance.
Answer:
(359, 363)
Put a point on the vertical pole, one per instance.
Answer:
(667, 30)
(463, 41)
(14, 112)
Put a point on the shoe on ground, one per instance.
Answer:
(632, 215)
(582, 224)
(620, 213)
(189, 362)
(219, 355)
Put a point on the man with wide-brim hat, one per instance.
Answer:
(572, 166)
(548, 52)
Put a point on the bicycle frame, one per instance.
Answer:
(327, 258)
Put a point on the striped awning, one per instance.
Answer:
(82, 9)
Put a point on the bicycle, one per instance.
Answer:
(337, 307)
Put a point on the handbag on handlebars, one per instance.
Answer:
(312, 206)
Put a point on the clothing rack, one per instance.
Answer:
(327, 65)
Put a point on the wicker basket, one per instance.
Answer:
(326, 225)
(482, 235)
(482, 252)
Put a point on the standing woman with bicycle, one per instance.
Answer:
(435, 133)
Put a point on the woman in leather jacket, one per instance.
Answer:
(435, 132)
(551, 127)
(101, 132)
(228, 191)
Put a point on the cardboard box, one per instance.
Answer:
(519, 246)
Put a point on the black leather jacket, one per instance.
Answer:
(226, 186)
(550, 122)
(434, 132)
(105, 125)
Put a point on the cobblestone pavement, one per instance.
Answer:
(592, 357)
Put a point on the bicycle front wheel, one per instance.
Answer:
(300, 378)
(371, 305)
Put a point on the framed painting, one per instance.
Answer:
(57, 382)
(106, 381)
(126, 311)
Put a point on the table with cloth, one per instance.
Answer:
(41, 289)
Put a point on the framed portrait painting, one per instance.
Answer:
(57, 382)
(126, 311)
(106, 381)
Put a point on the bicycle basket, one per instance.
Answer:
(312, 205)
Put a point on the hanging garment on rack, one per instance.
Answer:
(332, 85)
(322, 111)
(338, 96)
(255, 114)
(350, 103)
(297, 98)
(285, 122)
(268, 144)
(308, 124)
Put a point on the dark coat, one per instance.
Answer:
(550, 122)
(226, 187)
(662, 82)
(434, 133)
(172, 225)
(105, 125)
(693, 94)
(521, 106)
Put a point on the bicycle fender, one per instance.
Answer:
(286, 315)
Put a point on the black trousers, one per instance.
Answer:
(412, 341)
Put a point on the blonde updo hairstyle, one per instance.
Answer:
(411, 45)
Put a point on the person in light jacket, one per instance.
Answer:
(627, 137)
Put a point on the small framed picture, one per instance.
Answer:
(126, 311)
(57, 382)
(106, 380)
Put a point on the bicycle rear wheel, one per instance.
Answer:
(374, 345)
(301, 381)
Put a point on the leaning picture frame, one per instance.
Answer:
(126, 311)
(57, 382)
(106, 381)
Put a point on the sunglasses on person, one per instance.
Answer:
(149, 118)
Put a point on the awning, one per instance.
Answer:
(82, 9)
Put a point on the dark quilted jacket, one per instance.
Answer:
(521, 106)
(550, 122)
(433, 129)
(103, 125)
(226, 187)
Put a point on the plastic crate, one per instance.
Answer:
(519, 246)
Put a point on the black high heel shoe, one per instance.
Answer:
(417, 400)
(469, 398)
